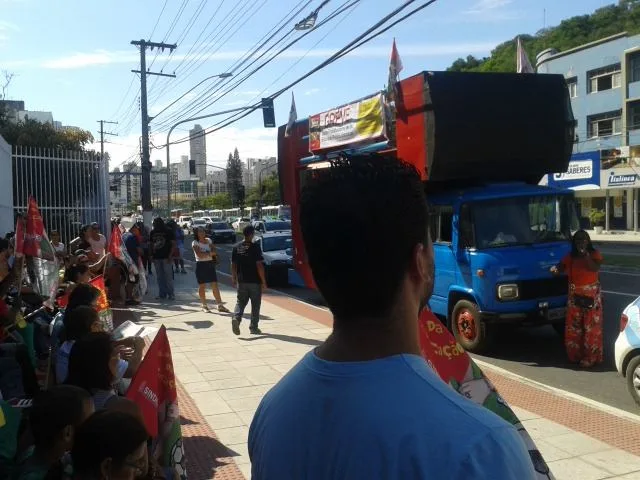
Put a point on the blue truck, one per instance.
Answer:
(482, 142)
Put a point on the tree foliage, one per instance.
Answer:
(234, 175)
(212, 202)
(571, 33)
(271, 194)
(31, 133)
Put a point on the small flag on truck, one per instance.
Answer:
(522, 60)
(293, 116)
(395, 67)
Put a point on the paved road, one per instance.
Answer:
(538, 353)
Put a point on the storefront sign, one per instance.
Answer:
(622, 179)
(583, 173)
(353, 124)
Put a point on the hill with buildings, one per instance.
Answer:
(571, 33)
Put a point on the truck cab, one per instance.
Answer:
(481, 143)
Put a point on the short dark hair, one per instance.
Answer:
(82, 294)
(72, 273)
(361, 220)
(248, 230)
(106, 434)
(89, 362)
(4, 244)
(78, 321)
(53, 409)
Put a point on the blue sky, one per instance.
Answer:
(74, 58)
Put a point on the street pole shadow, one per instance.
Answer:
(206, 456)
(283, 338)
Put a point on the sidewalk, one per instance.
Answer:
(616, 236)
(223, 377)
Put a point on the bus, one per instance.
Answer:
(176, 213)
(199, 213)
(281, 212)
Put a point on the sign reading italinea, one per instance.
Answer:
(352, 124)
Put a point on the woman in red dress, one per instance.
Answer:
(583, 328)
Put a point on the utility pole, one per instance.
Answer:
(102, 134)
(147, 208)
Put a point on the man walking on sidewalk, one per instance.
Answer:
(365, 404)
(247, 274)
(163, 241)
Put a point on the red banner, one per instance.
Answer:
(19, 245)
(153, 389)
(34, 230)
(115, 243)
(103, 307)
(457, 369)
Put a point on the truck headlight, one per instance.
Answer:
(508, 291)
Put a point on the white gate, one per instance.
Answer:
(70, 188)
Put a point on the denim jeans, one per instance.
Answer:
(164, 276)
(249, 292)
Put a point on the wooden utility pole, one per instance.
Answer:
(147, 207)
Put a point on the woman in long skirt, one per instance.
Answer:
(583, 328)
(206, 259)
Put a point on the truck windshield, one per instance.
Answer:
(523, 220)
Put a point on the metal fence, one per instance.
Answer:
(71, 188)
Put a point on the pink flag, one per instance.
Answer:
(522, 60)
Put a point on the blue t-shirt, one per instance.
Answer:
(391, 418)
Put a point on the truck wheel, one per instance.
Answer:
(468, 329)
(633, 378)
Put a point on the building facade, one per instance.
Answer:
(125, 188)
(603, 78)
(198, 150)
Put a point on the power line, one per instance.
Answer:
(345, 6)
(363, 38)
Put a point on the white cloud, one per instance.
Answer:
(483, 6)
(4, 25)
(312, 91)
(103, 57)
(251, 143)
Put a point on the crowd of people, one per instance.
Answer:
(76, 422)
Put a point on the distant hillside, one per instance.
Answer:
(571, 33)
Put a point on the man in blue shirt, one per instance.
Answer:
(131, 243)
(365, 404)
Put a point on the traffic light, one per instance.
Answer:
(268, 114)
(192, 167)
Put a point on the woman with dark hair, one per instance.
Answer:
(583, 328)
(206, 259)
(96, 366)
(78, 322)
(110, 445)
(83, 294)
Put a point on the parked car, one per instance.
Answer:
(197, 222)
(240, 223)
(222, 232)
(185, 222)
(276, 251)
(268, 226)
(627, 348)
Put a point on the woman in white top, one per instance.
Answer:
(58, 246)
(206, 259)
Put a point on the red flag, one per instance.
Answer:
(153, 389)
(34, 230)
(456, 368)
(395, 67)
(115, 243)
(103, 307)
(19, 236)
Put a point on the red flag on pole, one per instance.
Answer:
(19, 236)
(115, 243)
(35, 233)
(153, 389)
(395, 67)
(103, 307)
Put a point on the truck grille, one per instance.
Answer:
(544, 287)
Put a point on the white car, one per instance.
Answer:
(627, 348)
(240, 223)
(276, 252)
(271, 226)
(197, 222)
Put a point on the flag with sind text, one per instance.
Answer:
(153, 389)
(456, 368)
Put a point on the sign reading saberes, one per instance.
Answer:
(356, 123)
(577, 170)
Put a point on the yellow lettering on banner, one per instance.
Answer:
(433, 326)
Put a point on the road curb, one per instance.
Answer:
(561, 393)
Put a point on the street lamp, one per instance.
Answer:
(187, 120)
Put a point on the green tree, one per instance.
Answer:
(217, 201)
(571, 33)
(271, 193)
(31, 133)
(234, 175)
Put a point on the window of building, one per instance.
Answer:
(605, 124)
(634, 116)
(634, 64)
(604, 78)
(441, 228)
(572, 84)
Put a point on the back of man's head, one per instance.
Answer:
(56, 409)
(361, 221)
(248, 231)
